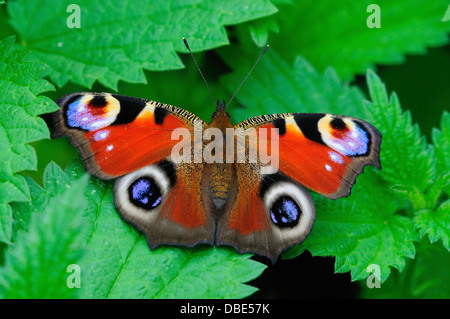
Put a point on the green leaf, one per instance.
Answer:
(277, 87)
(117, 39)
(21, 104)
(36, 265)
(190, 93)
(55, 181)
(447, 14)
(434, 220)
(441, 142)
(426, 276)
(435, 223)
(336, 33)
(407, 160)
(259, 29)
(22, 211)
(119, 263)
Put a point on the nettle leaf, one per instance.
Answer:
(434, 220)
(426, 276)
(182, 88)
(336, 32)
(119, 263)
(55, 181)
(446, 15)
(21, 105)
(120, 38)
(277, 87)
(435, 223)
(259, 29)
(36, 266)
(441, 143)
(407, 159)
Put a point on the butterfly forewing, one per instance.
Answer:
(116, 134)
(323, 152)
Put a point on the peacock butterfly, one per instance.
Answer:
(181, 200)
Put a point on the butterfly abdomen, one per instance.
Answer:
(220, 183)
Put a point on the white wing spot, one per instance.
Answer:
(335, 157)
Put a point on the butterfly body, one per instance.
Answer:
(218, 176)
(216, 192)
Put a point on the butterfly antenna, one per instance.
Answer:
(262, 53)
(195, 61)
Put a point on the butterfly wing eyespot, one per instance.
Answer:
(91, 112)
(140, 195)
(149, 198)
(141, 192)
(290, 206)
(347, 136)
(145, 193)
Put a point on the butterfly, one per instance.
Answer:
(223, 203)
(258, 204)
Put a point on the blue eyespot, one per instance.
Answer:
(145, 193)
(353, 142)
(88, 115)
(285, 212)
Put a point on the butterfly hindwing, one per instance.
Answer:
(164, 201)
(270, 213)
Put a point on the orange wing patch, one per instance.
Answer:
(317, 166)
(121, 149)
(184, 204)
